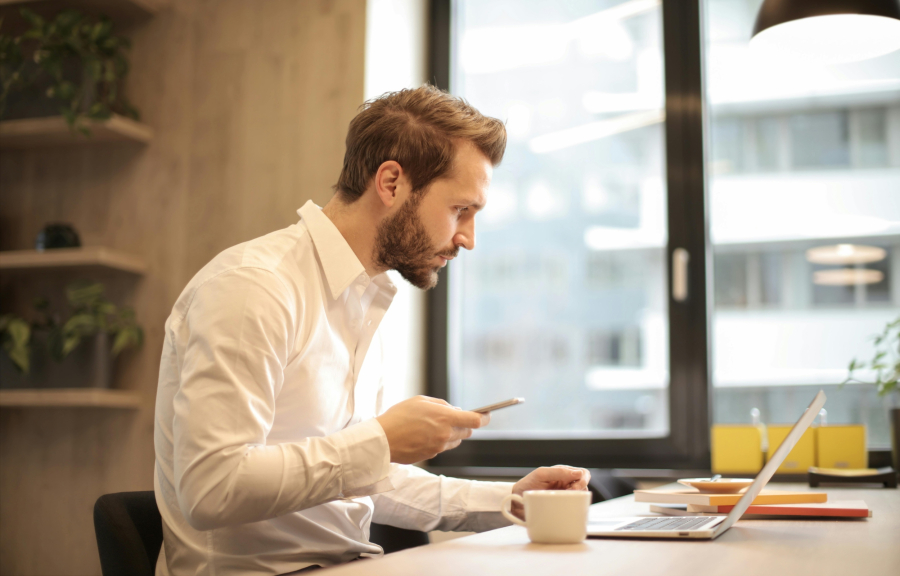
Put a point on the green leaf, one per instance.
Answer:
(67, 20)
(69, 344)
(106, 307)
(81, 324)
(99, 111)
(32, 18)
(120, 342)
(19, 331)
(20, 357)
(16, 334)
(84, 293)
(885, 361)
(128, 338)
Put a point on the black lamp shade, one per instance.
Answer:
(774, 12)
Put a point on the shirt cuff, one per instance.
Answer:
(487, 496)
(483, 504)
(365, 459)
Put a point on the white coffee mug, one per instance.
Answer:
(552, 516)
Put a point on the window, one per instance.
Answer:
(802, 162)
(567, 299)
(563, 303)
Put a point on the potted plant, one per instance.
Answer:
(885, 364)
(72, 65)
(75, 350)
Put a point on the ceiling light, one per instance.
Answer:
(827, 31)
(847, 277)
(845, 254)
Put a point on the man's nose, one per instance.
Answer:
(465, 237)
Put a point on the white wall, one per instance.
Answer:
(396, 45)
(396, 51)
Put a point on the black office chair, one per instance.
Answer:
(604, 486)
(129, 533)
(394, 539)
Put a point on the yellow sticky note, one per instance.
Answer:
(841, 446)
(736, 448)
(803, 454)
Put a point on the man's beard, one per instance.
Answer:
(403, 244)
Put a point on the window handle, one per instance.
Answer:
(680, 259)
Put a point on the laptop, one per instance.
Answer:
(706, 527)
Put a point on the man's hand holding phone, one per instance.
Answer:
(421, 428)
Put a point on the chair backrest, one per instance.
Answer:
(129, 533)
(605, 486)
(393, 539)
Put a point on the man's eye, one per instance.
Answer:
(462, 210)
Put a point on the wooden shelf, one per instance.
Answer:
(70, 398)
(54, 131)
(68, 258)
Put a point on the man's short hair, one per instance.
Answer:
(419, 129)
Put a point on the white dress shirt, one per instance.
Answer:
(268, 455)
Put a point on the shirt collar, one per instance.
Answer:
(339, 262)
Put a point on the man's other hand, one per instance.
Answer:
(553, 478)
(421, 428)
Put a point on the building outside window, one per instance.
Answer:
(802, 158)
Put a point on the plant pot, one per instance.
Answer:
(895, 438)
(89, 365)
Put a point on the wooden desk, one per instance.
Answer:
(751, 547)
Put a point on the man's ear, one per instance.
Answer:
(387, 181)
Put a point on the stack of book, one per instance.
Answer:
(769, 503)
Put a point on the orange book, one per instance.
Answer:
(696, 497)
(842, 509)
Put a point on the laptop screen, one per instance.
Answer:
(772, 465)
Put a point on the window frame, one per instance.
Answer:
(687, 445)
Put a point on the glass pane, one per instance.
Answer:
(563, 301)
(802, 157)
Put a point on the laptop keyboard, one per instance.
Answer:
(680, 524)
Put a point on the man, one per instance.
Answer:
(272, 453)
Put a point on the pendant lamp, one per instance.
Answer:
(827, 31)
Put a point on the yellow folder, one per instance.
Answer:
(736, 448)
(841, 446)
(801, 457)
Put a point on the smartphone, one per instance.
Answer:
(498, 405)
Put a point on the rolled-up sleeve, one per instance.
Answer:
(239, 330)
(424, 501)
